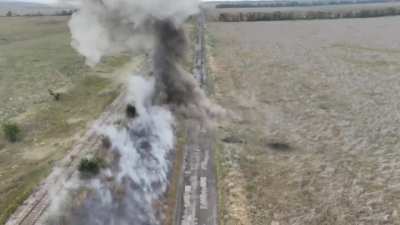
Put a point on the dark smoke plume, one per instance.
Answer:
(169, 52)
(174, 85)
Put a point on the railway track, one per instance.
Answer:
(32, 210)
(197, 194)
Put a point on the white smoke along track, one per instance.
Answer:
(143, 144)
(125, 192)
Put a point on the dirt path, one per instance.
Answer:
(197, 196)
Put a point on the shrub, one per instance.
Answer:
(90, 167)
(11, 131)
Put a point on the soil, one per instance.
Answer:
(317, 105)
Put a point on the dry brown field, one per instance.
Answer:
(313, 136)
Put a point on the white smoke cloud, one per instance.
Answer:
(107, 27)
(153, 127)
(125, 192)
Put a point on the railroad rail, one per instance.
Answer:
(197, 193)
(32, 210)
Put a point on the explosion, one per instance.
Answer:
(140, 146)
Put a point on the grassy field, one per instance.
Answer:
(313, 132)
(35, 55)
(24, 8)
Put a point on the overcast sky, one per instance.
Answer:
(42, 1)
(54, 1)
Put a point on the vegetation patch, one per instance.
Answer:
(89, 167)
(308, 15)
(11, 132)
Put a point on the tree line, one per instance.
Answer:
(63, 12)
(307, 15)
(271, 4)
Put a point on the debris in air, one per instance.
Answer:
(55, 95)
(131, 111)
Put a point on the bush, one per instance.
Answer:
(11, 132)
(90, 167)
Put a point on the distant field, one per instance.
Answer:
(35, 55)
(313, 137)
(299, 12)
(23, 8)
